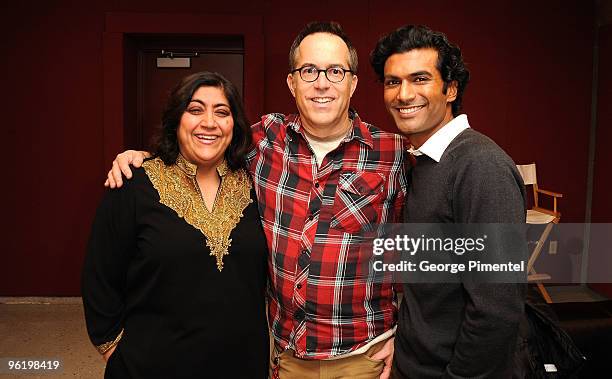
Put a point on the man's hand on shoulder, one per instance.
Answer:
(121, 164)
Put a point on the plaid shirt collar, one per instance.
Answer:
(359, 131)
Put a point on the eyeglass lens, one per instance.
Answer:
(333, 74)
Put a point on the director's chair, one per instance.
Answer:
(538, 215)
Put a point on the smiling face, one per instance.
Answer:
(413, 94)
(206, 127)
(323, 105)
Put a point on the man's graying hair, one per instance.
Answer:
(323, 27)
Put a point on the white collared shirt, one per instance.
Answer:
(435, 146)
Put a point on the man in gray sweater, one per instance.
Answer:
(462, 329)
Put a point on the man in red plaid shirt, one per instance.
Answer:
(323, 177)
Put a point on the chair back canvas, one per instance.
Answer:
(528, 172)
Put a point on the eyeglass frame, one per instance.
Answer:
(344, 71)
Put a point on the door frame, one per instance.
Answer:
(119, 24)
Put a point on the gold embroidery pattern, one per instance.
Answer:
(179, 191)
(108, 345)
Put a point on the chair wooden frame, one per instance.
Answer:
(528, 172)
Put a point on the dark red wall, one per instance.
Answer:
(602, 183)
(51, 93)
(531, 92)
(602, 188)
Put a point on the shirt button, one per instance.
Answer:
(299, 286)
(317, 184)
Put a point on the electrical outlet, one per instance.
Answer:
(552, 247)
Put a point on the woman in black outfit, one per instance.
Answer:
(175, 273)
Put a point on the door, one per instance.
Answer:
(148, 86)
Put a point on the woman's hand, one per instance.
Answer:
(121, 164)
(108, 353)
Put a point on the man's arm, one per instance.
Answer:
(121, 164)
(488, 192)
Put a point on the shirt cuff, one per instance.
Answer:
(109, 345)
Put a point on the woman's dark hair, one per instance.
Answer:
(166, 146)
(409, 37)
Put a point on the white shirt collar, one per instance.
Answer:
(435, 146)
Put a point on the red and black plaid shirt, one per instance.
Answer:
(323, 300)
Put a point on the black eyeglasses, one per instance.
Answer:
(311, 73)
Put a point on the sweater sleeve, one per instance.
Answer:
(104, 273)
(488, 190)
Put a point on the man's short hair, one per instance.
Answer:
(409, 37)
(323, 27)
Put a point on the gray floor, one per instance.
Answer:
(48, 328)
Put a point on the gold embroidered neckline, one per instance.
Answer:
(179, 191)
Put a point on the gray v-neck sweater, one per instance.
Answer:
(457, 329)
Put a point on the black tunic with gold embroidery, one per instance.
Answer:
(151, 285)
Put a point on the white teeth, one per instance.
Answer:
(209, 138)
(322, 100)
(410, 109)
